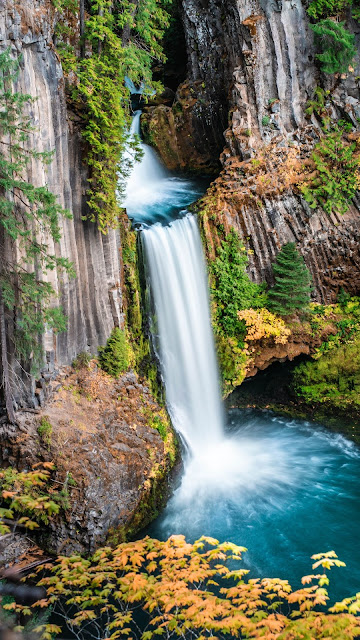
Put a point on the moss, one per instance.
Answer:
(333, 379)
(135, 300)
(153, 499)
(45, 430)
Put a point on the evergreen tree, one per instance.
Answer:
(28, 215)
(114, 356)
(291, 291)
(336, 44)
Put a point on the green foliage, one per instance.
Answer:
(184, 590)
(121, 38)
(114, 356)
(336, 44)
(355, 12)
(26, 214)
(82, 360)
(232, 360)
(337, 178)
(291, 291)
(45, 430)
(347, 324)
(265, 121)
(317, 105)
(25, 495)
(158, 424)
(333, 379)
(231, 287)
(327, 8)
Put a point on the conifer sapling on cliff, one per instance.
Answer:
(291, 291)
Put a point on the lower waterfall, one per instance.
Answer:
(179, 287)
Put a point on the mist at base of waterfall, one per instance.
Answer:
(283, 489)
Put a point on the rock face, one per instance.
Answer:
(179, 135)
(105, 436)
(92, 300)
(255, 60)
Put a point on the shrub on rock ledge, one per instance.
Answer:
(114, 356)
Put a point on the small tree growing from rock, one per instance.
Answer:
(114, 356)
(291, 291)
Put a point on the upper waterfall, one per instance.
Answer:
(152, 193)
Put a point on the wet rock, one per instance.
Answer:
(257, 58)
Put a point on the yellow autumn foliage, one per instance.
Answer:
(176, 589)
(261, 323)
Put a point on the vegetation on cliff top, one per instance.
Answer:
(116, 40)
(182, 589)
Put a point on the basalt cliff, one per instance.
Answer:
(251, 71)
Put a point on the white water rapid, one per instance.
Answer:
(152, 193)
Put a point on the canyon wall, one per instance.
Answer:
(251, 71)
(92, 300)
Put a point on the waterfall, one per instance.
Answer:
(178, 284)
(153, 194)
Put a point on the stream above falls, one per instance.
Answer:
(285, 489)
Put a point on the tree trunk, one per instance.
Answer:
(5, 364)
(82, 28)
(127, 29)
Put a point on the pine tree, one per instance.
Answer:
(336, 44)
(28, 215)
(114, 356)
(291, 291)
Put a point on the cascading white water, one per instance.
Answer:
(143, 183)
(179, 287)
(152, 193)
(252, 484)
(179, 290)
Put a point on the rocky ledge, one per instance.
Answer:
(114, 442)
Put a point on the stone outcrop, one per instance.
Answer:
(105, 436)
(92, 300)
(255, 64)
(174, 131)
